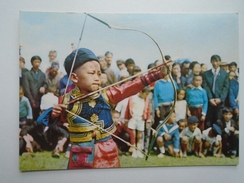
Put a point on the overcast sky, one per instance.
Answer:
(193, 36)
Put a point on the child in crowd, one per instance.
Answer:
(93, 147)
(204, 68)
(123, 132)
(148, 126)
(25, 116)
(49, 99)
(230, 133)
(163, 101)
(130, 63)
(104, 80)
(197, 101)
(122, 68)
(182, 124)
(181, 105)
(25, 111)
(168, 137)
(191, 138)
(137, 112)
(136, 70)
(233, 67)
(212, 141)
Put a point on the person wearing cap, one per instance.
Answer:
(212, 141)
(191, 138)
(53, 78)
(91, 146)
(224, 66)
(35, 84)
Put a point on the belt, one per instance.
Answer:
(165, 104)
(196, 106)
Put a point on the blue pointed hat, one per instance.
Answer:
(83, 55)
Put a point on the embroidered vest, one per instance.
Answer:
(95, 109)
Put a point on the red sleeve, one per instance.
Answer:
(118, 93)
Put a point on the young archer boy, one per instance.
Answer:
(93, 147)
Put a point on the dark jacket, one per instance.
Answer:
(32, 84)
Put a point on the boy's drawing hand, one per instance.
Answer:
(57, 110)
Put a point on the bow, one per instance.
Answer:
(164, 62)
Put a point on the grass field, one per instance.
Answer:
(44, 161)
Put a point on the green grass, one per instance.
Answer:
(44, 161)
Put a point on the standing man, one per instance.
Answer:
(109, 58)
(34, 84)
(216, 84)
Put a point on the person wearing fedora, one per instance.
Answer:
(92, 146)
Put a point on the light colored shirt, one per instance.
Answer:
(206, 137)
(48, 100)
(180, 109)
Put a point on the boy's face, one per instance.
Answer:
(215, 63)
(136, 72)
(181, 95)
(36, 64)
(109, 58)
(186, 68)
(21, 94)
(144, 95)
(116, 117)
(53, 72)
(197, 69)
(204, 68)
(52, 56)
(182, 126)
(192, 127)
(87, 77)
(227, 116)
(232, 75)
(172, 118)
(197, 81)
(121, 66)
(176, 70)
(130, 68)
(233, 68)
(104, 78)
(102, 63)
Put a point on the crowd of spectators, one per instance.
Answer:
(205, 120)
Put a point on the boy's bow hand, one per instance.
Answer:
(57, 110)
